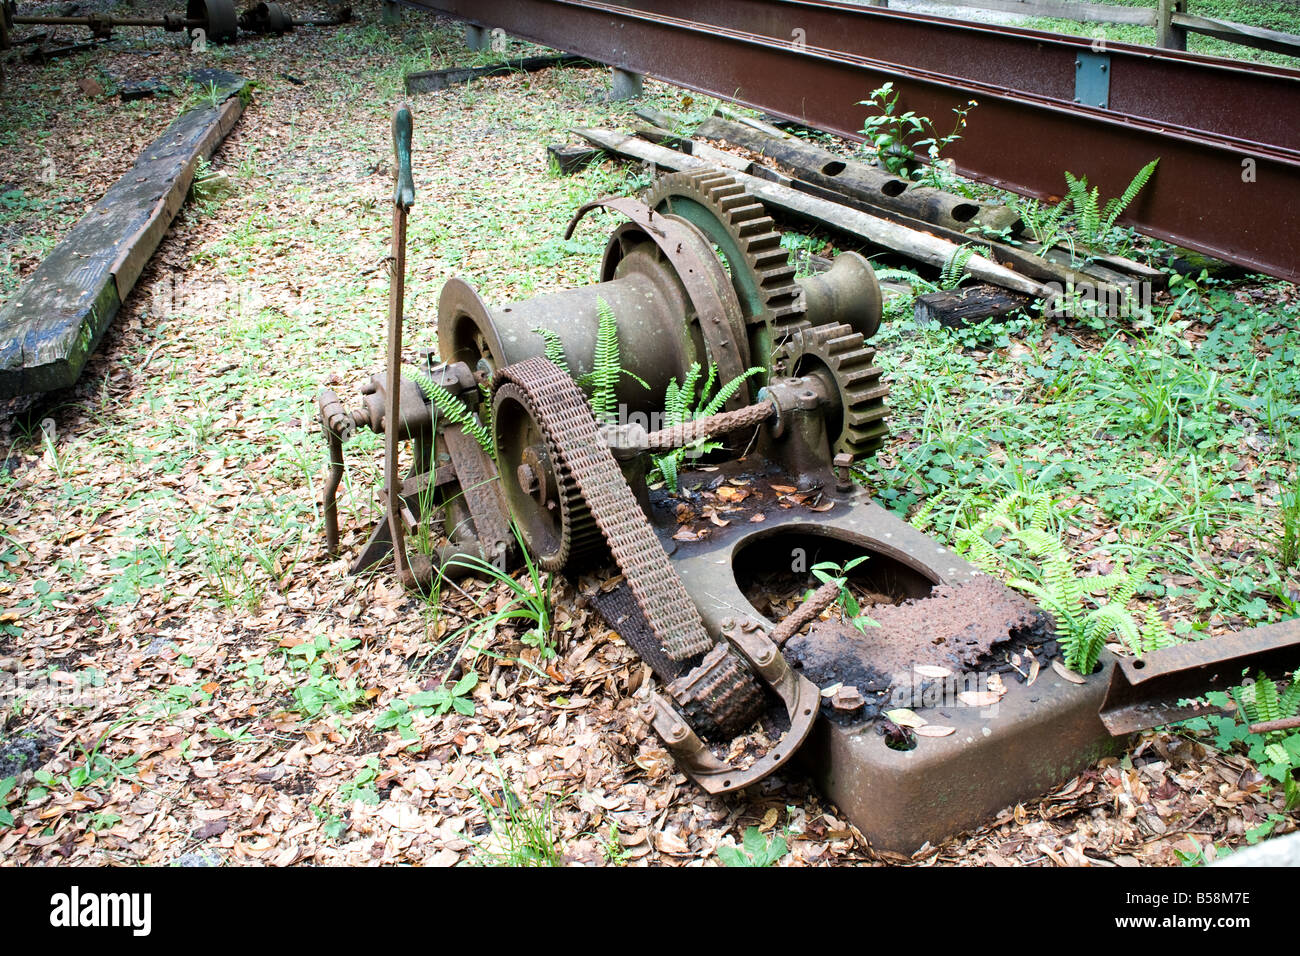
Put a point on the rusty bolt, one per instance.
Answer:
(848, 700)
(843, 464)
(527, 478)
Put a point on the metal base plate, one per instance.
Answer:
(1033, 739)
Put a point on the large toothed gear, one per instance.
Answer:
(745, 236)
(550, 510)
(842, 356)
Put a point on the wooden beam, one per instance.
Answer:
(569, 158)
(430, 81)
(1257, 37)
(957, 308)
(1168, 35)
(51, 326)
(1065, 10)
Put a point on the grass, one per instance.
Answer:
(1280, 15)
(1158, 440)
(521, 834)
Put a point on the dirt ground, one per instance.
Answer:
(204, 685)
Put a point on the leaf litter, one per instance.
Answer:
(201, 682)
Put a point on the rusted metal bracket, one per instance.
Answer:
(1162, 687)
(800, 697)
(719, 317)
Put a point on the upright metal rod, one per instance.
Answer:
(403, 199)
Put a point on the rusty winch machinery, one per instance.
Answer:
(696, 276)
(510, 457)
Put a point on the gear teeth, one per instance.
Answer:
(851, 363)
(719, 697)
(747, 221)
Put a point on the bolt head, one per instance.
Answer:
(527, 478)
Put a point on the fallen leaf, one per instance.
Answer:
(932, 671)
(906, 718)
(934, 730)
(1068, 674)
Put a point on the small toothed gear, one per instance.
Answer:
(719, 696)
(738, 225)
(859, 428)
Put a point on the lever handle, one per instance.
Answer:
(404, 195)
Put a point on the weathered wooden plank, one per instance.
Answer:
(569, 158)
(956, 308)
(1245, 34)
(53, 323)
(1065, 10)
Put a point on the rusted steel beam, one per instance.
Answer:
(1224, 197)
(1149, 691)
(1198, 92)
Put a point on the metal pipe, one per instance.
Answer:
(403, 199)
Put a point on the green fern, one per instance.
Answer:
(1261, 701)
(605, 370)
(954, 270)
(918, 284)
(1115, 207)
(554, 352)
(1093, 221)
(1155, 634)
(1045, 223)
(1034, 560)
(453, 408)
(1289, 703)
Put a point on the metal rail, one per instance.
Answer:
(1225, 196)
(1195, 92)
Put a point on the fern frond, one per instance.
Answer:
(453, 408)
(1038, 543)
(1090, 215)
(724, 394)
(1116, 619)
(554, 349)
(690, 385)
(1267, 705)
(980, 553)
(955, 267)
(1289, 703)
(1154, 634)
(671, 402)
(1115, 208)
(606, 369)
(910, 278)
(668, 469)
(1038, 517)
(709, 381)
